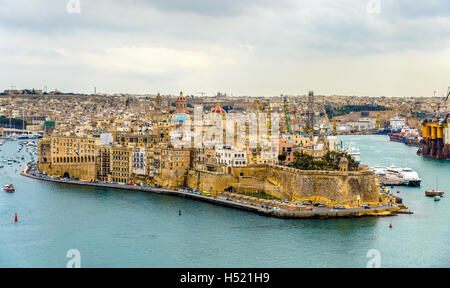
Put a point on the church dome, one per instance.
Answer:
(218, 109)
(181, 97)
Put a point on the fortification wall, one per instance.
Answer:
(209, 181)
(84, 171)
(334, 187)
(172, 178)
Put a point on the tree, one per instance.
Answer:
(329, 162)
(282, 156)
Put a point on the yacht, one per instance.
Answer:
(410, 176)
(404, 175)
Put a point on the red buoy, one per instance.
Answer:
(390, 225)
(15, 217)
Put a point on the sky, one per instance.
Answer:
(239, 47)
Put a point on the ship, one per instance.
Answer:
(398, 137)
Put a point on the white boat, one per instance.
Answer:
(404, 175)
(354, 152)
(378, 170)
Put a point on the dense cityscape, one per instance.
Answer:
(224, 134)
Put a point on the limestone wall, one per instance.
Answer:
(172, 178)
(209, 181)
(333, 187)
(84, 171)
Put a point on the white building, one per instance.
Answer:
(363, 124)
(397, 123)
(106, 139)
(139, 161)
(229, 156)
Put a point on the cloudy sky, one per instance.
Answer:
(242, 47)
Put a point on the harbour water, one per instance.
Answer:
(118, 228)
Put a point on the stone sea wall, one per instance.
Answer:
(334, 187)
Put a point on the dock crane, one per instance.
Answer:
(438, 112)
(286, 115)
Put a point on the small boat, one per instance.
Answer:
(433, 193)
(9, 188)
(437, 198)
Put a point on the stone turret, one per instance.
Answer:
(343, 164)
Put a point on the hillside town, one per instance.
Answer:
(215, 144)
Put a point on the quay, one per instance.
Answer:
(273, 211)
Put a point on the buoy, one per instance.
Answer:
(398, 191)
(390, 225)
(15, 217)
(179, 212)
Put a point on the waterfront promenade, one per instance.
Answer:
(274, 211)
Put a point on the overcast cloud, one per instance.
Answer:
(243, 47)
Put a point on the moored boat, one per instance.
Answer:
(398, 137)
(405, 176)
(433, 193)
(9, 188)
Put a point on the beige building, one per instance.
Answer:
(69, 156)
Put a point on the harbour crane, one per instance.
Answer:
(286, 115)
(438, 112)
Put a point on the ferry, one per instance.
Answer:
(406, 176)
(9, 188)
